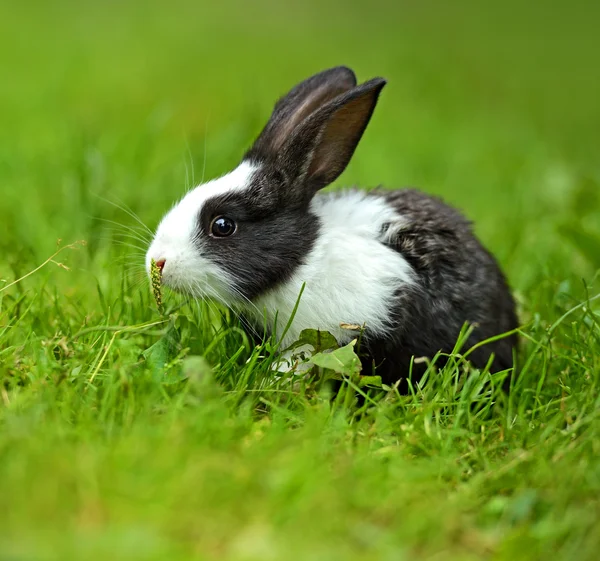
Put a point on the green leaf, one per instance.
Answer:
(341, 361)
(161, 353)
(373, 381)
(319, 340)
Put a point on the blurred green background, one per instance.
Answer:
(492, 105)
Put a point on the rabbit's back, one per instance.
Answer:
(458, 281)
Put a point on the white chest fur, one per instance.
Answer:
(349, 276)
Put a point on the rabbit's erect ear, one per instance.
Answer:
(320, 147)
(297, 105)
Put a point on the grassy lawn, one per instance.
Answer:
(125, 435)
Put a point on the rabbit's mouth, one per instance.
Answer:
(196, 278)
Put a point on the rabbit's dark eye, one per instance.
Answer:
(222, 227)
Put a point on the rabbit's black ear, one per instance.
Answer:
(297, 105)
(320, 147)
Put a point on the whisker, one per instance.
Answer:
(191, 158)
(135, 283)
(127, 235)
(236, 313)
(116, 235)
(187, 175)
(136, 229)
(136, 233)
(131, 268)
(133, 253)
(142, 250)
(208, 298)
(244, 298)
(197, 286)
(124, 208)
(135, 274)
(205, 146)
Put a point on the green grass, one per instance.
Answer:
(108, 452)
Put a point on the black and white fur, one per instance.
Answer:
(401, 263)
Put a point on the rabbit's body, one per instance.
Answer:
(350, 275)
(402, 264)
(406, 267)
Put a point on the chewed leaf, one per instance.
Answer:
(295, 359)
(156, 282)
(319, 340)
(342, 361)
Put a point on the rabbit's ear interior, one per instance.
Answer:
(320, 147)
(297, 105)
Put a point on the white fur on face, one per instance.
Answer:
(185, 268)
(349, 275)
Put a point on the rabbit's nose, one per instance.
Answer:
(160, 263)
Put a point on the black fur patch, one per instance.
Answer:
(459, 281)
(272, 237)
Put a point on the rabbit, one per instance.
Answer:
(402, 265)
